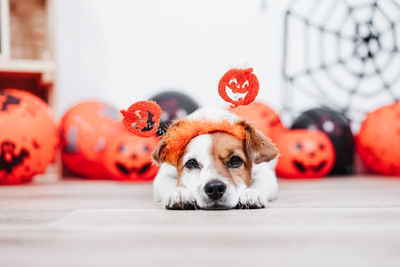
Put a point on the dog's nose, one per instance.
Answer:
(215, 189)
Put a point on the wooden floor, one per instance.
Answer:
(330, 222)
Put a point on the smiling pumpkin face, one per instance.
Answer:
(128, 157)
(304, 154)
(239, 86)
(142, 118)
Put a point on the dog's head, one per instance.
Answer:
(214, 158)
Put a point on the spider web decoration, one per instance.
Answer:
(342, 54)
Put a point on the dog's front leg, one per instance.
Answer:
(263, 189)
(165, 182)
(167, 191)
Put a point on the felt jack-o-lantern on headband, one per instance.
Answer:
(179, 134)
(237, 86)
(142, 118)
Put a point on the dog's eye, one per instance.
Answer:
(235, 162)
(191, 164)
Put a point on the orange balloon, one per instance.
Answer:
(378, 142)
(127, 157)
(84, 133)
(262, 117)
(28, 136)
(304, 154)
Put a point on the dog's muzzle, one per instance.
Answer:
(215, 189)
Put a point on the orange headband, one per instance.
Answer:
(180, 133)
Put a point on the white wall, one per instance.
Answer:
(124, 51)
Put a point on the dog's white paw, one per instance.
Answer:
(180, 199)
(252, 199)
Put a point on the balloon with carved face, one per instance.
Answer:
(28, 136)
(337, 127)
(304, 154)
(127, 157)
(238, 86)
(84, 133)
(262, 117)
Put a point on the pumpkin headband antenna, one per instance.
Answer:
(142, 118)
(237, 86)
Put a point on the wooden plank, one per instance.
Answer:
(352, 221)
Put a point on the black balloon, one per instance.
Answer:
(174, 106)
(337, 127)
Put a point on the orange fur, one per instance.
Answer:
(180, 133)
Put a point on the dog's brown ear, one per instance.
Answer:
(159, 152)
(258, 147)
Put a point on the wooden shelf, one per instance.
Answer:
(26, 36)
(26, 47)
(24, 65)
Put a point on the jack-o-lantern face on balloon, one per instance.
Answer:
(304, 154)
(239, 86)
(28, 136)
(128, 157)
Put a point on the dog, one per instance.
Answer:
(213, 159)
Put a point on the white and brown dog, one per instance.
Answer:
(213, 159)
